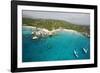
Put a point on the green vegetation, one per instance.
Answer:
(54, 24)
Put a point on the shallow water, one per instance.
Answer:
(60, 46)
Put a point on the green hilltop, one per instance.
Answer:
(54, 24)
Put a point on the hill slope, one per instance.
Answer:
(54, 24)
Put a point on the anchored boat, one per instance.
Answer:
(85, 51)
(76, 54)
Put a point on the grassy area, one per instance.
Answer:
(54, 24)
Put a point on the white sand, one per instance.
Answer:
(53, 31)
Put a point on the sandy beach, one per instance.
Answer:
(47, 32)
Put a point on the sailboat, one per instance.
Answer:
(75, 53)
(85, 51)
(35, 37)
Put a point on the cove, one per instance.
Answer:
(61, 46)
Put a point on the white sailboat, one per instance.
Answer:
(85, 51)
(35, 37)
(75, 53)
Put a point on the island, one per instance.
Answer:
(47, 27)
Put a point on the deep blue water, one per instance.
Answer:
(57, 47)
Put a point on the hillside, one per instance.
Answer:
(54, 24)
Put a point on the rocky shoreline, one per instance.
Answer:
(86, 34)
(42, 32)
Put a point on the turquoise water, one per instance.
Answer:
(60, 46)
